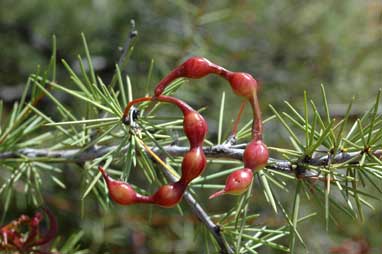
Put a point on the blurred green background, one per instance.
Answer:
(290, 46)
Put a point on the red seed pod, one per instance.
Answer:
(197, 67)
(50, 234)
(169, 195)
(242, 84)
(237, 183)
(193, 164)
(256, 155)
(195, 128)
(23, 235)
(36, 219)
(120, 192)
(194, 67)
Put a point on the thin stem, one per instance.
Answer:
(174, 74)
(237, 120)
(257, 125)
(133, 102)
(122, 61)
(182, 105)
(198, 210)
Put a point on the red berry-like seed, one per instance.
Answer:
(169, 195)
(237, 183)
(196, 67)
(195, 128)
(256, 155)
(193, 164)
(120, 192)
(243, 84)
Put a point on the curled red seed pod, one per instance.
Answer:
(195, 128)
(237, 183)
(33, 227)
(23, 235)
(242, 84)
(51, 233)
(256, 155)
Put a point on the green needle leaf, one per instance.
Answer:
(306, 113)
(373, 117)
(268, 191)
(89, 59)
(293, 135)
(221, 118)
(295, 215)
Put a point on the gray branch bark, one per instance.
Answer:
(217, 152)
(198, 210)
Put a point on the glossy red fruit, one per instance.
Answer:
(195, 128)
(169, 195)
(237, 183)
(243, 84)
(193, 164)
(256, 155)
(120, 192)
(196, 67)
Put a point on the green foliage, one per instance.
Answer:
(343, 181)
(272, 215)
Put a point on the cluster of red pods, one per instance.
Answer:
(255, 155)
(23, 235)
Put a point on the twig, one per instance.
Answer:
(203, 216)
(212, 227)
(132, 34)
(218, 151)
(128, 44)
